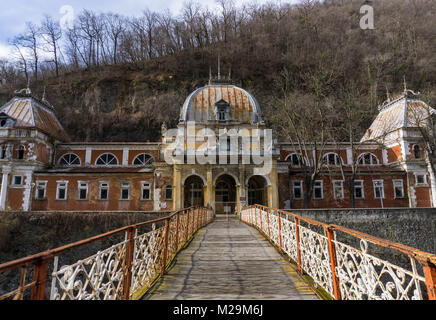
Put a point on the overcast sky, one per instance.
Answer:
(15, 13)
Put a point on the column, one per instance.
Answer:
(274, 178)
(178, 188)
(209, 187)
(4, 191)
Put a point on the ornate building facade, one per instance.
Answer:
(42, 170)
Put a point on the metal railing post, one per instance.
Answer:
(129, 261)
(165, 253)
(255, 218)
(267, 217)
(177, 231)
(280, 230)
(40, 277)
(297, 239)
(429, 270)
(261, 218)
(333, 263)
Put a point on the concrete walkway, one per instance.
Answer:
(229, 260)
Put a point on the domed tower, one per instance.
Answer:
(219, 148)
(221, 103)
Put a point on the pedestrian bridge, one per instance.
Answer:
(263, 253)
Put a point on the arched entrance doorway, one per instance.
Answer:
(194, 194)
(257, 191)
(225, 194)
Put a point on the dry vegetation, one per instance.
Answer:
(115, 78)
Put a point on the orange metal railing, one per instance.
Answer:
(344, 262)
(124, 271)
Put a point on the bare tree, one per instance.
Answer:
(52, 33)
(28, 41)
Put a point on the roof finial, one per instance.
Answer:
(43, 95)
(404, 83)
(230, 73)
(219, 67)
(388, 95)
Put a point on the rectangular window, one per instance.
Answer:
(83, 190)
(17, 180)
(338, 189)
(146, 191)
(318, 190)
(104, 191)
(61, 190)
(169, 193)
(41, 187)
(398, 189)
(358, 189)
(298, 190)
(420, 179)
(379, 192)
(125, 191)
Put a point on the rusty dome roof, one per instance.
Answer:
(200, 105)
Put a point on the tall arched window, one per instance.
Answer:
(107, 159)
(417, 151)
(143, 159)
(69, 160)
(368, 159)
(332, 159)
(20, 154)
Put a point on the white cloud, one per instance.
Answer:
(5, 51)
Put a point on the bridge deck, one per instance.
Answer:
(229, 260)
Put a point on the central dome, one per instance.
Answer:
(201, 105)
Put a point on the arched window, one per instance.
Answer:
(69, 159)
(143, 159)
(332, 159)
(417, 151)
(20, 155)
(368, 159)
(107, 159)
(296, 160)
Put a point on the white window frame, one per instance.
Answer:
(103, 185)
(396, 183)
(420, 183)
(362, 185)
(80, 187)
(341, 186)
(39, 183)
(300, 186)
(371, 159)
(302, 161)
(142, 164)
(321, 186)
(145, 185)
(106, 164)
(69, 161)
(375, 186)
(58, 187)
(124, 186)
(338, 159)
(16, 184)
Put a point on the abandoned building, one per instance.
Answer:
(42, 170)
